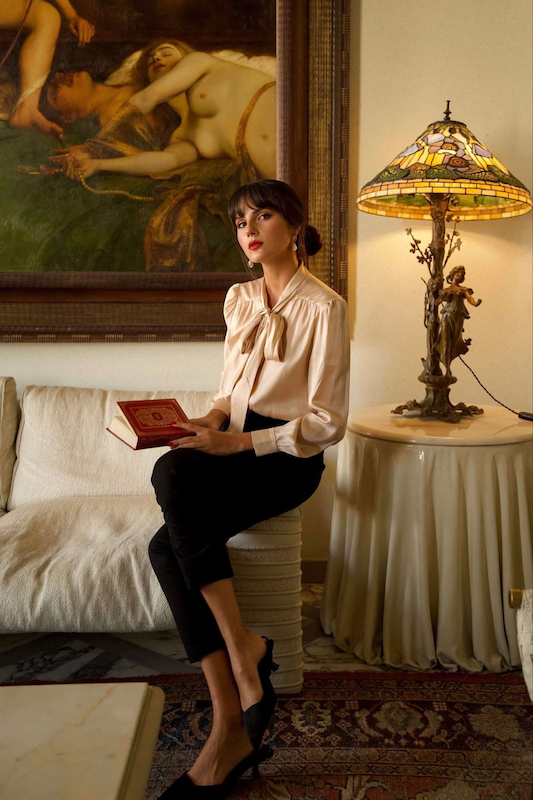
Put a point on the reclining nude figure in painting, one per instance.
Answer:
(226, 110)
(40, 22)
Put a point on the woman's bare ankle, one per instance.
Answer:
(244, 661)
(246, 651)
(227, 724)
(222, 751)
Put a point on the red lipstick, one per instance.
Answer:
(254, 245)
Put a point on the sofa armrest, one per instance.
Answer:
(9, 419)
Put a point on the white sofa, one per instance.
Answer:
(77, 512)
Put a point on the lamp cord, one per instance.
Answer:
(485, 388)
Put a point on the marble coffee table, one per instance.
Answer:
(86, 741)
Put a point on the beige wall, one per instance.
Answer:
(408, 58)
(412, 56)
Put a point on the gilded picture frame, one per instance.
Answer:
(312, 78)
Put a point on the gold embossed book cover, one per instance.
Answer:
(148, 423)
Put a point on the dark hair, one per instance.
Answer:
(165, 118)
(140, 71)
(280, 197)
(46, 109)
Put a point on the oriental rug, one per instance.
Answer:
(365, 736)
(372, 736)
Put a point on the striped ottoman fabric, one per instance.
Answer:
(266, 560)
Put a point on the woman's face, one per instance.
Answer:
(161, 59)
(264, 234)
(458, 276)
(68, 92)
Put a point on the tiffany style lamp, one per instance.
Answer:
(446, 174)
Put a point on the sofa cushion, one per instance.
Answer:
(64, 450)
(8, 430)
(81, 565)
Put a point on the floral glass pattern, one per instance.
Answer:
(446, 159)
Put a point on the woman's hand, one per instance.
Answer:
(78, 151)
(74, 168)
(214, 442)
(214, 420)
(81, 29)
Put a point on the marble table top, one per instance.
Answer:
(69, 740)
(496, 426)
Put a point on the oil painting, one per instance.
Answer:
(126, 126)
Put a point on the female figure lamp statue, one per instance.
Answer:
(450, 342)
(443, 333)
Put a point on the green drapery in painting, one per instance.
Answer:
(53, 224)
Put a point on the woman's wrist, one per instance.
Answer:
(218, 416)
(243, 442)
(68, 11)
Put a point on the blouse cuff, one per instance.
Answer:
(264, 442)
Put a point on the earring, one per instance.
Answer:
(295, 245)
(251, 264)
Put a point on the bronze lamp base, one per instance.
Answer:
(436, 403)
(443, 339)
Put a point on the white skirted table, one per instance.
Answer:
(432, 525)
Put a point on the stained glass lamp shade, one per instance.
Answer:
(446, 173)
(446, 159)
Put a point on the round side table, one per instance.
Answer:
(432, 525)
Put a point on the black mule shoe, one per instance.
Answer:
(257, 717)
(185, 789)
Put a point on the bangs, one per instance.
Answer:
(256, 195)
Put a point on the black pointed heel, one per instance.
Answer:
(185, 789)
(257, 717)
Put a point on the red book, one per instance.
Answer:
(148, 423)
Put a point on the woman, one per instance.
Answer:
(227, 110)
(284, 392)
(450, 342)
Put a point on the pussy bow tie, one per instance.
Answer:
(274, 346)
(274, 326)
(272, 349)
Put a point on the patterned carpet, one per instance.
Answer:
(354, 733)
(375, 736)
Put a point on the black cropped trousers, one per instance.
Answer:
(205, 500)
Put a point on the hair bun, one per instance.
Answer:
(313, 242)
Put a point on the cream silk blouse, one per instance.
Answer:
(290, 362)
